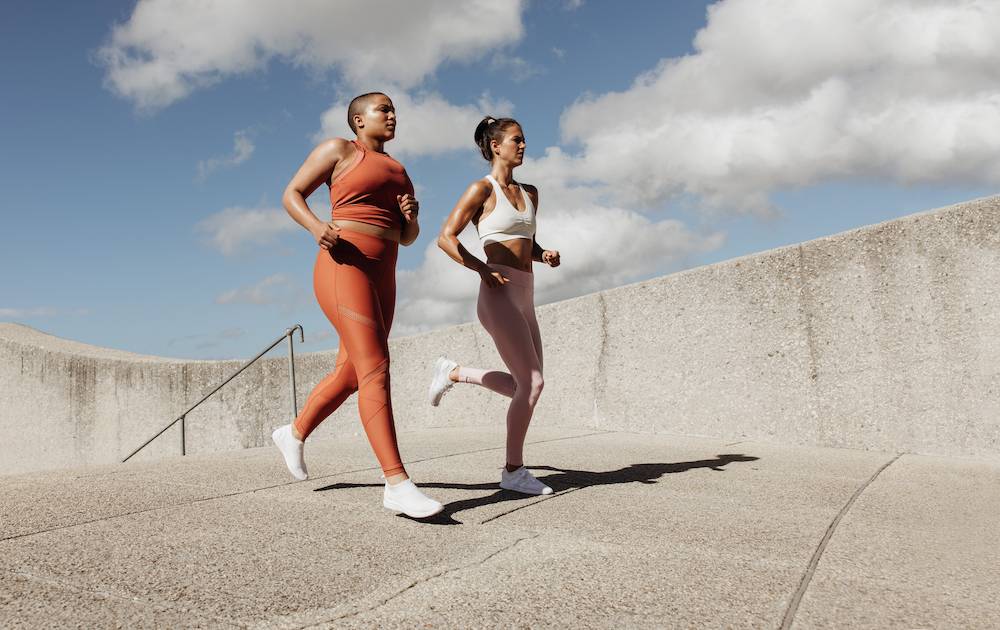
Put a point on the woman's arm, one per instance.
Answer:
(465, 210)
(317, 168)
(548, 256)
(409, 207)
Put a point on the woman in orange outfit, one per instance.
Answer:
(354, 279)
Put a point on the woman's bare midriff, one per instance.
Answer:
(514, 253)
(366, 228)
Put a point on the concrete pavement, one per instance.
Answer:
(644, 531)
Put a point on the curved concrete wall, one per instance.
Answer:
(884, 338)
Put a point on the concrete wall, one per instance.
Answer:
(883, 338)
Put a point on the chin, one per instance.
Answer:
(389, 135)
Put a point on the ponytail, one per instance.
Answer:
(488, 129)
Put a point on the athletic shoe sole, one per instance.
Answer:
(396, 507)
(439, 367)
(523, 491)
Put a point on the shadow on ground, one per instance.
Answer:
(561, 480)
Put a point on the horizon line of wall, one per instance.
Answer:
(882, 338)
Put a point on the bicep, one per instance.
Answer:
(317, 168)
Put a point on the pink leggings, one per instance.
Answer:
(508, 314)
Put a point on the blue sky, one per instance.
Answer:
(143, 159)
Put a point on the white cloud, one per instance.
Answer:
(428, 124)
(516, 68)
(243, 148)
(168, 48)
(600, 247)
(274, 289)
(786, 93)
(232, 229)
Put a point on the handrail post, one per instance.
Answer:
(291, 366)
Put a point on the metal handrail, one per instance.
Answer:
(291, 374)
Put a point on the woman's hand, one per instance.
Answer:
(326, 235)
(550, 257)
(493, 279)
(409, 206)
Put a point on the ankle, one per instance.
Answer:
(296, 434)
(512, 467)
(396, 479)
(453, 375)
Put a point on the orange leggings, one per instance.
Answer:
(355, 285)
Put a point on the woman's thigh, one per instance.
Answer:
(511, 334)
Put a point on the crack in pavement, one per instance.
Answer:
(425, 580)
(793, 606)
(271, 487)
(527, 505)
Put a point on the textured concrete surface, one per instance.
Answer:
(644, 531)
(882, 338)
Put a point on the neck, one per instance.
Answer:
(503, 173)
(372, 143)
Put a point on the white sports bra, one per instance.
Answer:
(505, 222)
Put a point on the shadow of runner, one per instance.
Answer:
(561, 480)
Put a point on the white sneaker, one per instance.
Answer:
(441, 381)
(405, 497)
(522, 481)
(291, 450)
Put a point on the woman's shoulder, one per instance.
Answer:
(481, 187)
(532, 192)
(335, 147)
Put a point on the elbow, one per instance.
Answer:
(286, 200)
(444, 241)
(289, 198)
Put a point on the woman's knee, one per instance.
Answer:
(535, 386)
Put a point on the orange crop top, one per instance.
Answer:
(366, 191)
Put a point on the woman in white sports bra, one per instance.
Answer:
(503, 211)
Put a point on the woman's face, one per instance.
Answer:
(511, 148)
(379, 118)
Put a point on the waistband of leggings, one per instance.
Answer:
(516, 276)
(352, 235)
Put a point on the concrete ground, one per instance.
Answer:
(644, 531)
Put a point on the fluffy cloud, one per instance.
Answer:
(786, 93)
(428, 124)
(233, 229)
(243, 148)
(600, 247)
(275, 289)
(168, 48)
(516, 68)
